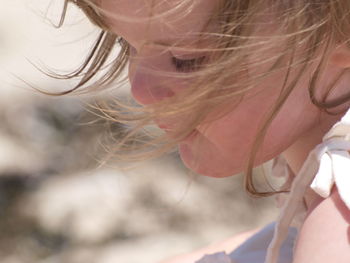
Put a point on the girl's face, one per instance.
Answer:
(221, 147)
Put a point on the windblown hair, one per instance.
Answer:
(306, 31)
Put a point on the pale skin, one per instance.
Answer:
(296, 130)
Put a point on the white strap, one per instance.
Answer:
(324, 180)
(341, 172)
(327, 164)
(323, 155)
(292, 204)
(334, 168)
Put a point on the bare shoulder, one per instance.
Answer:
(325, 235)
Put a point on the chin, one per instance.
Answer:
(217, 174)
(213, 167)
(215, 171)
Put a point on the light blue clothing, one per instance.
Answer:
(254, 249)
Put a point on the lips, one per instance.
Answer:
(164, 127)
(169, 130)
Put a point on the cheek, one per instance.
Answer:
(234, 134)
(242, 120)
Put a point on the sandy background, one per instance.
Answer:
(57, 203)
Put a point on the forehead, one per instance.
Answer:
(152, 20)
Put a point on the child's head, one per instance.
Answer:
(221, 76)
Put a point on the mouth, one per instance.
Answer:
(169, 130)
(164, 127)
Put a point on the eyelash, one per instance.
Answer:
(181, 65)
(187, 65)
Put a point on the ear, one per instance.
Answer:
(340, 56)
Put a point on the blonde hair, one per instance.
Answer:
(306, 31)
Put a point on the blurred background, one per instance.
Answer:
(58, 203)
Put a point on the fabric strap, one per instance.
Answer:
(326, 165)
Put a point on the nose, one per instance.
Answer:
(146, 90)
(148, 86)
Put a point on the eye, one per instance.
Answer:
(187, 65)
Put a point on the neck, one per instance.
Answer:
(297, 153)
